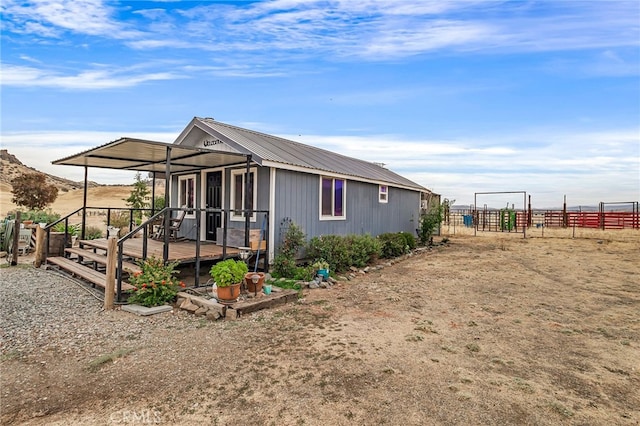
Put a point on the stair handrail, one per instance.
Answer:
(48, 227)
(144, 226)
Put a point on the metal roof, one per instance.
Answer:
(279, 150)
(151, 156)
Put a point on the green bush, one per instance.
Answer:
(71, 229)
(341, 252)
(120, 219)
(284, 266)
(284, 263)
(394, 244)
(93, 233)
(409, 240)
(40, 216)
(364, 249)
(156, 284)
(429, 222)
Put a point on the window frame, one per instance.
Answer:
(383, 194)
(333, 215)
(192, 189)
(235, 172)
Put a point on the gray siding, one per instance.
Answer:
(297, 198)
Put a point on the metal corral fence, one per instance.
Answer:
(618, 215)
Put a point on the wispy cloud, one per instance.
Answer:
(586, 166)
(52, 18)
(97, 78)
(362, 29)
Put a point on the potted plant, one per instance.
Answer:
(321, 267)
(228, 276)
(248, 279)
(156, 284)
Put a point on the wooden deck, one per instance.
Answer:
(181, 251)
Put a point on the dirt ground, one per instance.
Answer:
(484, 330)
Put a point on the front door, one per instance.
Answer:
(214, 201)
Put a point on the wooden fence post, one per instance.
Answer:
(40, 233)
(109, 288)
(16, 240)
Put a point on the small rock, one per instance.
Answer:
(231, 314)
(353, 269)
(313, 284)
(367, 269)
(213, 315)
(201, 311)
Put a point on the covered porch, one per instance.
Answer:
(162, 160)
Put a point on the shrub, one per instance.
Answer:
(120, 219)
(364, 249)
(429, 222)
(71, 229)
(40, 216)
(341, 252)
(409, 240)
(156, 284)
(93, 233)
(393, 244)
(284, 264)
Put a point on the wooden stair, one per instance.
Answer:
(83, 255)
(83, 271)
(90, 265)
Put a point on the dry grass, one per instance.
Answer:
(486, 330)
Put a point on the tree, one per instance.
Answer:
(32, 191)
(138, 195)
(429, 223)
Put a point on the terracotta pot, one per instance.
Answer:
(230, 293)
(251, 288)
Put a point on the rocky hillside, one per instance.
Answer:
(11, 167)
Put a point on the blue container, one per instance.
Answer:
(324, 273)
(467, 219)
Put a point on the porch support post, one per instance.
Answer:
(247, 200)
(167, 203)
(153, 193)
(84, 203)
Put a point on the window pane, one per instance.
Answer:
(190, 193)
(237, 199)
(250, 206)
(183, 192)
(338, 197)
(326, 197)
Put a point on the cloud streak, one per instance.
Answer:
(455, 168)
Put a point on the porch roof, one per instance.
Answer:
(151, 156)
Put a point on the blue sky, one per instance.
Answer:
(461, 97)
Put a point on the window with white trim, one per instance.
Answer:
(238, 199)
(383, 193)
(187, 194)
(333, 192)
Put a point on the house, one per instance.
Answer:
(321, 191)
(232, 180)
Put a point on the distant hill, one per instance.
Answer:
(11, 167)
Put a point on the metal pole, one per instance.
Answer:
(167, 203)
(84, 204)
(248, 211)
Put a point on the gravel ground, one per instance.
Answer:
(45, 310)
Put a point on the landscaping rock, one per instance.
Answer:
(231, 314)
(200, 311)
(213, 315)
